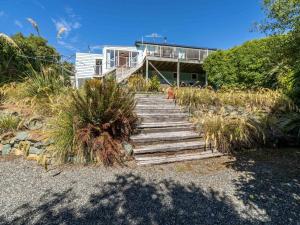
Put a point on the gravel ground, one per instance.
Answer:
(213, 191)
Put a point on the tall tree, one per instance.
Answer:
(283, 16)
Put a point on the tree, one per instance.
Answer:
(256, 63)
(19, 55)
(283, 16)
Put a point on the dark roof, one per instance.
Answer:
(171, 45)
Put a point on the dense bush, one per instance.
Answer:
(89, 128)
(256, 63)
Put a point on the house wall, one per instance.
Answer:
(85, 67)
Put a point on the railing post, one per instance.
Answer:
(178, 73)
(147, 69)
(160, 51)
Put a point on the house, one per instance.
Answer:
(174, 64)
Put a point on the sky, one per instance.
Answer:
(90, 24)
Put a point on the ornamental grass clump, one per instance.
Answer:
(227, 134)
(9, 123)
(92, 126)
(242, 119)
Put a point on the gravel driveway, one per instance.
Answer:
(213, 191)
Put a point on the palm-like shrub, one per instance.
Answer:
(97, 118)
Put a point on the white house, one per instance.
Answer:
(172, 63)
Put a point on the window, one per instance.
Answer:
(194, 76)
(175, 75)
(98, 67)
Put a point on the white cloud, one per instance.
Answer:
(2, 13)
(76, 25)
(67, 45)
(68, 24)
(39, 4)
(70, 12)
(18, 24)
(96, 47)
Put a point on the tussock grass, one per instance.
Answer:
(9, 123)
(262, 99)
(238, 119)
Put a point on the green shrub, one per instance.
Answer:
(88, 129)
(256, 63)
(153, 84)
(8, 123)
(138, 83)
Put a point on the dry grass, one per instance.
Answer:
(234, 120)
(262, 99)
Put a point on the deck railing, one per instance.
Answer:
(177, 53)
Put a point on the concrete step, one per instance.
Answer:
(170, 147)
(170, 137)
(151, 160)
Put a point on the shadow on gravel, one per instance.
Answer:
(271, 183)
(131, 200)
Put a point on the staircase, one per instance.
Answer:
(164, 133)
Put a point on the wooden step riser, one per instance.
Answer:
(170, 103)
(178, 158)
(163, 119)
(163, 130)
(170, 151)
(153, 110)
(140, 143)
(164, 125)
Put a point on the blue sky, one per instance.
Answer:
(209, 23)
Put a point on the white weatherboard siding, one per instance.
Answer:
(85, 65)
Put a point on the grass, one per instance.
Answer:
(235, 119)
(9, 123)
(262, 99)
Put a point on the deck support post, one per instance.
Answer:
(178, 73)
(206, 80)
(147, 69)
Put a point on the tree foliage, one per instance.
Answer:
(19, 55)
(256, 63)
(283, 16)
